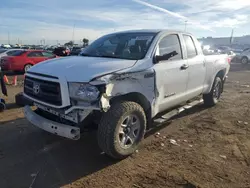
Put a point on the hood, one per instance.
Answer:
(79, 68)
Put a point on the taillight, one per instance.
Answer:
(229, 60)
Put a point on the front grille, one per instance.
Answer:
(45, 91)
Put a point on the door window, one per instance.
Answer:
(35, 54)
(190, 46)
(15, 53)
(48, 54)
(170, 44)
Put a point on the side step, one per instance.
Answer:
(177, 111)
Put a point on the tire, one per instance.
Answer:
(114, 136)
(2, 105)
(20, 100)
(212, 98)
(244, 60)
(26, 67)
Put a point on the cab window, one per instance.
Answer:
(169, 44)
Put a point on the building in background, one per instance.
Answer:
(233, 42)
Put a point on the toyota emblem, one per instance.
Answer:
(36, 88)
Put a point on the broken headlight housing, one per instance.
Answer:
(83, 91)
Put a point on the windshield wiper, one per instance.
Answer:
(109, 56)
(105, 56)
(89, 55)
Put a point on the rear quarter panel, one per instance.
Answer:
(215, 64)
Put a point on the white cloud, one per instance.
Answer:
(233, 4)
(195, 23)
(123, 19)
(231, 22)
(53, 23)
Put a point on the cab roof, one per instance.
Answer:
(152, 31)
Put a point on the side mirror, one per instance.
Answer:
(165, 57)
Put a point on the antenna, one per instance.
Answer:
(232, 37)
(73, 34)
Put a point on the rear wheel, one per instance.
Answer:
(213, 96)
(27, 67)
(244, 60)
(121, 129)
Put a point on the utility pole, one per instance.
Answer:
(186, 25)
(8, 37)
(73, 34)
(232, 37)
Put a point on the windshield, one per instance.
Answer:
(17, 53)
(2, 51)
(76, 48)
(132, 46)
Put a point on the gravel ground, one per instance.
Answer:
(212, 150)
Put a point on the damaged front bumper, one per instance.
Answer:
(53, 127)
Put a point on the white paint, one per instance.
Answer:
(164, 84)
(47, 125)
(80, 68)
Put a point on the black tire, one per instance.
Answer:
(111, 123)
(2, 105)
(20, 100)
(212, 98)
(244, 60)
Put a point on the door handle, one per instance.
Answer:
(184, 67)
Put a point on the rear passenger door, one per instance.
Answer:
(48, 55)
(197, 68)
(35, 57)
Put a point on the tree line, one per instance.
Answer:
(84, 41)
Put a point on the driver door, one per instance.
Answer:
(171, 74)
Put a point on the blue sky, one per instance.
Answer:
(52, 20)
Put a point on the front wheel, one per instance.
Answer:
(121, 129)
(213, 96)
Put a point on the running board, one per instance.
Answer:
(177, 111)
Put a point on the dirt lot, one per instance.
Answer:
(213, 150)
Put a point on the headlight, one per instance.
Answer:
(85, 92)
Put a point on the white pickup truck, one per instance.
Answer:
(122, 82)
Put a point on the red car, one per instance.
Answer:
(23, 60)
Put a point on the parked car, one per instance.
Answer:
(223, 50)
(22, 60)
(244, 57)
(8, 52)
(123, 82)
(75, 50)
(7, 46)
(61, 51)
